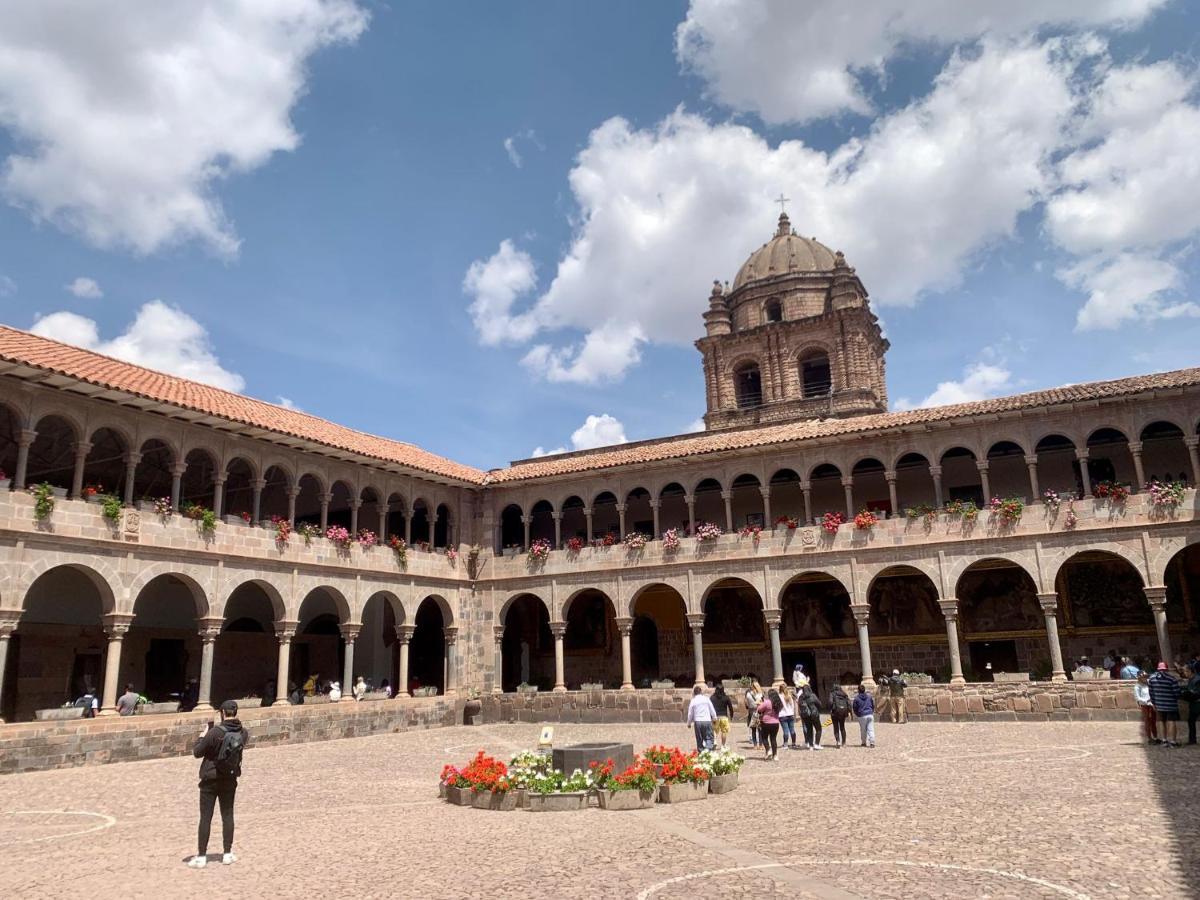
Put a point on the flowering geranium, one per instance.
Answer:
(308, 531)
(791, 522)
(866, 520)
(452, 555)
(574, 545)
(609, 539)
(707, 531)
(1051, 499)
(659, 753)
(1113, 491)
(641, 776)
(539, 550)
(483, 773)
(1008, 509)
(635, 541)
(1166, 493)
(366, 538)
(283, 529)
(1070, 520)
(965, 508)
(92, 490)
(670, 540)
(751, 531)
(339, 536)
(245, 517)
(400, 548)
(601, 773)
(831, 521)
(681, 769)
(162, 506)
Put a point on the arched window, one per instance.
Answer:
(747, 385)
(774, 311)
(815, 378)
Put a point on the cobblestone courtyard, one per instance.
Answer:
(937, 810)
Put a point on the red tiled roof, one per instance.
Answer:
(739, 439)
(94, 368)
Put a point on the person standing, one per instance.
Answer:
(360, 688)
(220, 751)
(1191, 693)
(724, 706)
(839, 710)
(1129, 672)
(864, 711)
(787, 717)
(810, 717)
(896, 686)
(754, 698)
(799, 679)
(1164, 694)
(1141, 693)
(335, 692)
(700, 715)
(768, 716)
(127, 703)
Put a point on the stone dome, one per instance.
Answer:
(785, 252)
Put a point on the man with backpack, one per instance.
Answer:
(896, 686)
(839, 711)
(220, 750)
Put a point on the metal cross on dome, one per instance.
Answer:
(782, 201)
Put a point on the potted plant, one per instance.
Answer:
(662, 684)
(659, 755)
(683, 779)
(592, 686)
(366, 538)
(522, 769)
(1166, 495)
(1008, 510)
(831, 522)
(635, 542)
(707, 532)
(539, 551)
(754, 532)
(722, 767)
(339, 537)
(574, 545)
(92, 492)
(670, 540)
(43, 501)
(110, 508)
(866, 520)
(791, 523)
(555, 792)
(635, 788)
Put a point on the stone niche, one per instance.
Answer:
(580, 756)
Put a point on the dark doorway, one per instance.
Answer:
(807, 659)
(85, 673)
(166, 669)
(8, 709)
(644, 649)
(1001, 654)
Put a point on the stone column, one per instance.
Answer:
(433, 517)
(326, 499)
(557, 516)
(950, 611)
(727, 496)
(1135, 449)
(1157, 597)
(587, 516)
(774, 617)
(404, 635)
(1193, 449)
(559, 629)
(25, 437)
(936, 473)
(655, 505)
(7, 627)
(450, 633)
(284, 631)
(177, 470)
(768, 522)
(210, 629)
(116, 626)
(498, 661)
(1084, 475)
(82, 449)
(696, 623)
(806, 488)
(621, 520)
(892, 496)
(691, 505)
(256, 513)
(862, 616)
(625, 627)
(219, 494)
(527, 521)
(349, 636)
(848, 488)
(408, 528)
(355, 506)
(383, 520)
(1049, 604)
(984, 481)
(1035, 492)
(293, 493)
(131, 463)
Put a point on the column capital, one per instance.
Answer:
(81, 448)
(116, 625)
(178, 468)
(1081, 455)
(805, 486)
(587, 511)
(764, 490)
(847, 481)
(655, 504)
(689, 499)
(350, 632)
(624, 624)
(219, 478)
(498, 633)
(404, 633)
(356, 503)
(526, 520)
(1135, 446)
(695, 621)
(132, 457)
(558, 629)
(1031, 459)
(889, 475)
(621, 507)
(773, 617)
(326, 498)
(8, 621)
(556, 516)
(949, 608)
(1156, 596)
(258, 483)
(1192, 443)
(1049, 602)
(935, 471)
(25, 437)
(450, 633)
(209, 629)
(861, 613)
(293, 492)
(982, 465)
(286, 630)
(726, 495)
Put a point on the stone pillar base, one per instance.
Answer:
(1059, 676)
(281, 702)
(958, 682)
(203, 707)
(559, 689)
(869, 683)
(628, 686)
(403, 695)
(105, 712)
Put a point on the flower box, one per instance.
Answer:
(619, 800)
(154, 709)
(663, 685)
(1010, 676)
(683, 792)
(722, 784)
(505, 801)
(248, 702)
(58, 713)
(457, 796)
(568, 802)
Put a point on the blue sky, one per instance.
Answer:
(306, 197)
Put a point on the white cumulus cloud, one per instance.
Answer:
(495, 283)
(979, 382)
(85, 288)
(793, 62)
(124, 122)
(596, 431)
(160, 337)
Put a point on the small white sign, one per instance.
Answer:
(547, 738)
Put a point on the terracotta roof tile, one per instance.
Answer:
(42, 353)
(718, 441)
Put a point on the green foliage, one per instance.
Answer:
(110, 506)
(43, 500)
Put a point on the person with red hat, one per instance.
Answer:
(1164, 695)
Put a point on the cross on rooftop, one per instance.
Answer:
(782, 201)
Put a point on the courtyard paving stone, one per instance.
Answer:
(937, 810)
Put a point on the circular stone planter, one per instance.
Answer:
(682, 792)
(722, 784)
(505, 801)
(569, 802)
(628, 799)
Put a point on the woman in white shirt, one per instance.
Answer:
(1141, 693)
(787, 717)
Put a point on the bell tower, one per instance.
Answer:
(793, 339)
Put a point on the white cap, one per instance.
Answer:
(895, 671)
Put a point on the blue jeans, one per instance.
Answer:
(788, 725)
(704, 735)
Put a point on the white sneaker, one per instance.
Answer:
(818, 747)
(228, 859)
(197, 862)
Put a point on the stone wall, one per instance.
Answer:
(55, 745)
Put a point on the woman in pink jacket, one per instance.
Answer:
(768, 716)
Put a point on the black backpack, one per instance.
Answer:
(841, 702)
(229, 755)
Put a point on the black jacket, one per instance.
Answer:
(809, 704)
(208, 746)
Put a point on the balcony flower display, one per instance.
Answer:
(670, 540)
(452, 555)
(1113, 491)
(866, 520)
(574, 545)
(965, 508)
(1052, 500)
(789, 522)
(831, 521)
(1007, 509)
(366, 538)
(339, 536)
(635, 541)
(1070, 520)
(92, 490)
(308, 531)
(539, 550)
(1165, 494)
(921, 511)
(245, 517)
(400, 548)
(707, 531)
(751, 531)
(283, 530)
(609, 539)
(163, 507)
(206, 517)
